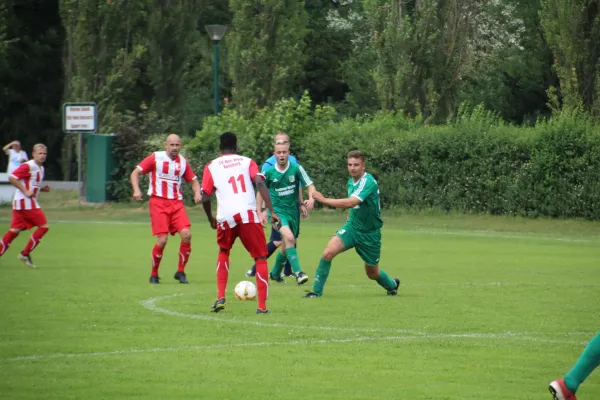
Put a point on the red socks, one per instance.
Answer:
(222, 273)
(185, 249)
(34, 240)
(157, 253)
(262, 283)
(262, 278)
(6, 241)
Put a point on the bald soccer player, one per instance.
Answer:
(167, 169)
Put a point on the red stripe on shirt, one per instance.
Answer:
(237, 218)
(251, 217)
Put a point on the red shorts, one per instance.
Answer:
(252, 236)
(167, 216)
(27, 219)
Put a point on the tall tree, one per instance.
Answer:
(31, 39)
(266, 50)
(326, 51)
(572, 29)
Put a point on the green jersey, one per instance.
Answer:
(284, 187)
(367, 215)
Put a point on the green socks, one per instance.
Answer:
(292, 257)
(279, 264)
(321, 276)
(385, 281)
(588, 361)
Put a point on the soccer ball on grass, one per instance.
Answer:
(245, 290)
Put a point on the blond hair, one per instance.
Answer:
(285, 140)
(39, 146)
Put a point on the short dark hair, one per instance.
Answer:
(228, 141)
(357, 154)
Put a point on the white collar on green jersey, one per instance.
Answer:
(363, 175)
(285, 169)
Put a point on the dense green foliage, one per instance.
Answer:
(396, 72)
(477, 163)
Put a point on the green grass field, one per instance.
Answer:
(490, 308)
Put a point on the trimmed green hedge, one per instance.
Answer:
(476, 164)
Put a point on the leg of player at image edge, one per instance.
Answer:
(565, 388)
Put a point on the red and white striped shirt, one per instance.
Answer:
(166, 174)
(232, 176)
(31, 176)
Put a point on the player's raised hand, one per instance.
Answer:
(275, 220)
(137, 195)
(45, 188)
(318, 196)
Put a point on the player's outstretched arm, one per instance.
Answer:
(349, 202)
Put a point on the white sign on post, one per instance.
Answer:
(79, 117)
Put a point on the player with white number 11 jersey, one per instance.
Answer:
(231, 177)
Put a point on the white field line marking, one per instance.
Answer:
(284, 343)
(413, 335)
(150, 304)
(475, 233)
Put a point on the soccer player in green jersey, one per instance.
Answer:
(283, 180)
(362, 230)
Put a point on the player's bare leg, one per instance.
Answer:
(7, 239)
(185, 249)
(157, 253)
(383, 279)
(34, 240)
(333, 248)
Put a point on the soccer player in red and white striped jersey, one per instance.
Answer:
(231, 177)
(168, 169)
(27, 213)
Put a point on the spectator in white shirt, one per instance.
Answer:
(16, 156)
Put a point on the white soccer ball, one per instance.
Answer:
(245, 290)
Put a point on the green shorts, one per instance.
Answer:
(292, 223)
(367, 244)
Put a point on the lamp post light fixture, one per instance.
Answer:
(216, 33)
